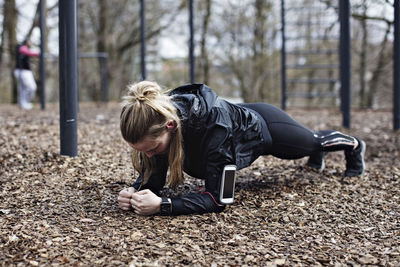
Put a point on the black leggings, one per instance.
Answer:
(291, 140)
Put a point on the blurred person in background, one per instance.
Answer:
(23, 73)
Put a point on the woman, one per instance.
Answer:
(193, 130)
(23, 74)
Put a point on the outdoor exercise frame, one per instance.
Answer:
(345, 63)
(69, 74)
(344, 59)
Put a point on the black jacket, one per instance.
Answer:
(22, 61)
(215, 133)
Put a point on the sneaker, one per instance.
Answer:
(316, 161)
(27, 106)
(355, 164)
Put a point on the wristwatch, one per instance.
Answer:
(165, 206)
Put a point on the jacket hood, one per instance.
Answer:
(194, 100)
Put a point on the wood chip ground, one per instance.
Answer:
(61, 211)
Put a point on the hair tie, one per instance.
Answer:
(141, 98)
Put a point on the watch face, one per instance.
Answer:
(165, 207)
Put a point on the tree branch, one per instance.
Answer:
(366, 17)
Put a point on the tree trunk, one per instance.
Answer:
(258, 47)
(376, 74)
(363, 58)
(10, 29)
(102, 35)
(204, 55)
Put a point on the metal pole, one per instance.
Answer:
(396, 66)
(345, 62)
(283, 57)
(42, 62)
(143, 37)
(191, 42)
(68, 77)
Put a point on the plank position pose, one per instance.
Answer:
(190, 129)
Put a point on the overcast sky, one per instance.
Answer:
(169, 47)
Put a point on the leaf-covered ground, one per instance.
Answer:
(56, 210)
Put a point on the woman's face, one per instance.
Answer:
(153, 146)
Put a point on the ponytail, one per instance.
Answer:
(145, 112)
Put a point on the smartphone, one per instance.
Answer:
(227, 189)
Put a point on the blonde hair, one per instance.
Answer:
(145, 112)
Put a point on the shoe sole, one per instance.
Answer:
(363, 148)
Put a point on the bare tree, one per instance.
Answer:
(384, 57)
(244, 39)
(9, 34)
(115, 29)
(204, 61)
(363, 56)
(372, 56)
(261, 8)
(368, 92)
(35, 22)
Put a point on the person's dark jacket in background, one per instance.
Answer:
(23, 54)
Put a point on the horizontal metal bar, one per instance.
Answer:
(313, 52)
(312, 94)
(305, 80)
(92, 55)
(312, 66)
(82, 55)
(306, 37)
(307, 8)
(51, 56)
(311, 23)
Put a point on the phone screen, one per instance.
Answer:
(229, 184)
